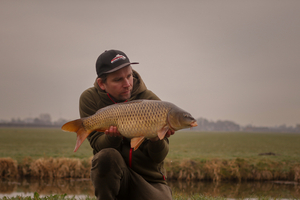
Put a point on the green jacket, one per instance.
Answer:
(148, 159)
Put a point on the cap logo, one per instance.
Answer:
(118, 57)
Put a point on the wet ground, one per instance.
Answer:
(83, 187)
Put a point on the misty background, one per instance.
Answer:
(234, 60)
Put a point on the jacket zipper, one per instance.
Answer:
(112, 98)
(130, 157)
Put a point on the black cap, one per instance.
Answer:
(110, 61)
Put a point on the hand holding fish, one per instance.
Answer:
(169, 133)
(112, 131)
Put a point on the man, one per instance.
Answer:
(117, 171)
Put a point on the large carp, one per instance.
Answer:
(138, 120)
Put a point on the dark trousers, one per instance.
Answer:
(112, 180)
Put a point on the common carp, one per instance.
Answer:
(137, 120)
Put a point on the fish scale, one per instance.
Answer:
(133, 119)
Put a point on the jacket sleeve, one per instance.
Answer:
(98, 140)
(87, 104)
(158, 150)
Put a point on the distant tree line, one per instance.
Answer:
(43, 120)
(206, 125)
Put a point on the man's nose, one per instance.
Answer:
(126, 83)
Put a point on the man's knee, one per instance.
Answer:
(105, 154)
(107, 160)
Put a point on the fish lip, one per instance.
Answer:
(193, 124)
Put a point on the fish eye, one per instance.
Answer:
(186, 115)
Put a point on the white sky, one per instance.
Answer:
(232, 60)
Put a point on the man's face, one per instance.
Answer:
(119, 84)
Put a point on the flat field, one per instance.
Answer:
(18, 143)
(232, 145)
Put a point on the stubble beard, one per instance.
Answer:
(125, 97)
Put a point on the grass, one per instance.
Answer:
(193, 155)
(176, 196)
(234, 156)
(231, 145)
(18, 143)
(37, 196)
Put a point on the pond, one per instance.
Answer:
(83, 187)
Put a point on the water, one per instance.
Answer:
(81, 188)
(276, 189)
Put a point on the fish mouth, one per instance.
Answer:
(193, 124)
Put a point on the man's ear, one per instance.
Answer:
(101, 84)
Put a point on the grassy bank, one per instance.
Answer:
(191, 170)
(42, 152)
(36, 196)
(176, 196)
(84, 187)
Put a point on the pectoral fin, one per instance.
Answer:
(162, 132)
(136, 142)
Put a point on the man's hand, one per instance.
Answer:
(113, 132)
(168, 134)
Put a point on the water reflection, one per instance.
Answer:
(46, 187)
(223, 189)
(239, 190)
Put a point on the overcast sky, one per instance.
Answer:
(235, 60)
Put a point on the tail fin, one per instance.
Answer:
(77, 126)
(72, 126)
